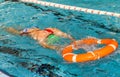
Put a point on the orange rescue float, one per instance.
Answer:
(110, 47)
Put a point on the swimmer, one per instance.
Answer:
(42, 36)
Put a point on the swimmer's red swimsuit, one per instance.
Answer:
(49, 30)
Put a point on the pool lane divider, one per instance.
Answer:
(4, 74)
(68, 7)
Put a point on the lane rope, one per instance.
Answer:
(86, 10)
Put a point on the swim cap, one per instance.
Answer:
(24, 31)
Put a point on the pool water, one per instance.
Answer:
(24, 57)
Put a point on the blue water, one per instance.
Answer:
(24, 57)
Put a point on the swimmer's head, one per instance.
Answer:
(28, 30)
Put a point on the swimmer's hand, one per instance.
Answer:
(71, 38)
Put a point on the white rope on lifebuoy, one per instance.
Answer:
(92, 11)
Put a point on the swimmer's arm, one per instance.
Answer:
(62, 34)
(45, 45)
(12, 30)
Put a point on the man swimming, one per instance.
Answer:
(43, 36)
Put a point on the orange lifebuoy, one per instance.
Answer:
(111, 46)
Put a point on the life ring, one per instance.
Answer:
(110, 47)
